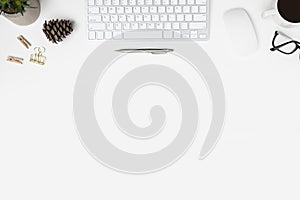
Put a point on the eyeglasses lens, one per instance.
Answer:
(288, 48)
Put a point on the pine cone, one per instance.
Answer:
(57, 30)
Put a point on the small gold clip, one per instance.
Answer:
(38, 57)
(15, 59)
(23, 40)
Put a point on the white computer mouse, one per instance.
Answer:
(241, 31)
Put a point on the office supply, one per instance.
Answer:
(15, 59)
(154, 19)
(24, 41)
(38, 56)
(146, 50)
(284, 44)
(241, 31)
(285, 13)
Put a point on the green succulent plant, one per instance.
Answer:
(13, 6)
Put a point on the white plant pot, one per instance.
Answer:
(29, 16)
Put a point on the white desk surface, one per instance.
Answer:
(41, 156)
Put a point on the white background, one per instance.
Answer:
(41, 156)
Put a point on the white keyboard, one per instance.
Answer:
(151, 19)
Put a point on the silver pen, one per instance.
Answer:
(146, 50)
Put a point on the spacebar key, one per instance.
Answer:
(143, 35)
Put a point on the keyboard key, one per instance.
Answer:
(91, 2)
(109, 26)
(182, 2)
(103, 10)
(105, 18)
(174, 2)
(162, 9)
(165, 2)
(190, 2)
(132, 2)
(201, 2)
(170, 9)
(123, 2)
(134, 26)
(186, 36)
(178, 9)
(145, 9)
(95, 18)
(142, 25)
(99, 2)
(130, 18)
(155, 18)
(153, 9)
(186, 9)
(114, 18)
(92, 35)
(150, 26)
(193, 36)
(107, 2)
(177, 34)
(163, 18)
(96, 26)
(122, 18)
(199, 17)
(202, 9)
(188, 17)
(195, 25)
(126, 26)
(194, 9)
(139, 18)
(112, 10)
(147, 18)
(140, 2)
(115, 2)
(172, 18)
(108, 35)
(117, 35)
(100, 35)
(184, 25)
(168, 34)
(143, 35)
(93, 10)
(118, 26)
(202, 36)
(167, 25)
(137, 9)
(128, 10)
(120, 10)
(157, 2)
(159, 25)
(175, 25)
(194, 32)
(149, 2)
(180, 17)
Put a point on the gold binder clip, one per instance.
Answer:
(23, 40)
(38, 57)
(15, 59)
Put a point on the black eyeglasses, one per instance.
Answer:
(284, 44)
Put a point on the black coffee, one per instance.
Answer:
(289, 10)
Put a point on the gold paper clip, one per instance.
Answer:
(38, 57)
(24, 41)
(15, 59)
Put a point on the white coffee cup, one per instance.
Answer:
(274, 12)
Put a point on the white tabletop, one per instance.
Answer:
(42, 157)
